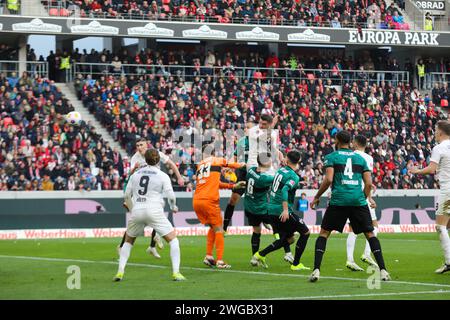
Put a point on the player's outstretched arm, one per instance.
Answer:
(326, 183)
(169, 194)
(174, 168)
(430, 169)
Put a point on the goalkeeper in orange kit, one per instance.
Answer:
(206, 202)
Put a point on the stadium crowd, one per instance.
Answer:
(318, 13)
(257, 65)
(39, 151)
(398, 120)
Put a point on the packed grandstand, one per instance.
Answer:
(156, 92)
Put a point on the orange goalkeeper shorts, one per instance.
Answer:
(208, 212)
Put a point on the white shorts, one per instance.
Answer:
(142, 218)
(443, 204)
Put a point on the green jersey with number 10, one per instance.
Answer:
(349, 167)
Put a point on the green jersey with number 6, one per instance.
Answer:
(349, 167)
(284, 186)
(256, 194)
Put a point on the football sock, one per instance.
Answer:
(229, 211)
(256, 238)
(376, 250)
(367, 249)
(153, 242)
(445, 242)
(175, 255)
(277, 244)
(123, 240)
(124, 255)
(300, 247)
(287, 247)
(210, 242)
(321, 244)
(220, 244)
(351, 239)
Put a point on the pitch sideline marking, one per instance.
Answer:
(360, 295)
(214, 270)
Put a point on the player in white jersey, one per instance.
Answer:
(138, 161)
(260, 139)
(440, 163)
(144, 197)
(360, 143)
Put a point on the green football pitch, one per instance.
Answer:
(38, 269)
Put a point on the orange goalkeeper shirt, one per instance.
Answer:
(208, 178)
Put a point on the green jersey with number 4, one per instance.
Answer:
(349, 167)
(284, 186)
(256, 194)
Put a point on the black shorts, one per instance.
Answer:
(287, 228)
(336, 217)
(241, 174)
(256, 219)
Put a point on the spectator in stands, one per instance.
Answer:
(335, 23)
(420, 69)
(429, 22)
(398, 22)
(13, 6)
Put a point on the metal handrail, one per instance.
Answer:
(9, 67)
(162, 16)
(187, 73)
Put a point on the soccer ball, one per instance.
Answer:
(74, 118)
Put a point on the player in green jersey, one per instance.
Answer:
(240, 155)
(256, 199)
(346, 171)
(281, 212)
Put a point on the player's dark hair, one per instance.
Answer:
(294, 156)
(264, 159)
(344, 137)
(267, 117)
(152, 157)
(361, 140)
(141, 140)
(444, 126)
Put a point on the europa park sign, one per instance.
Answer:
(393, 38)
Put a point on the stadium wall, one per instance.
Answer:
(73, 214)
(73, 28)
